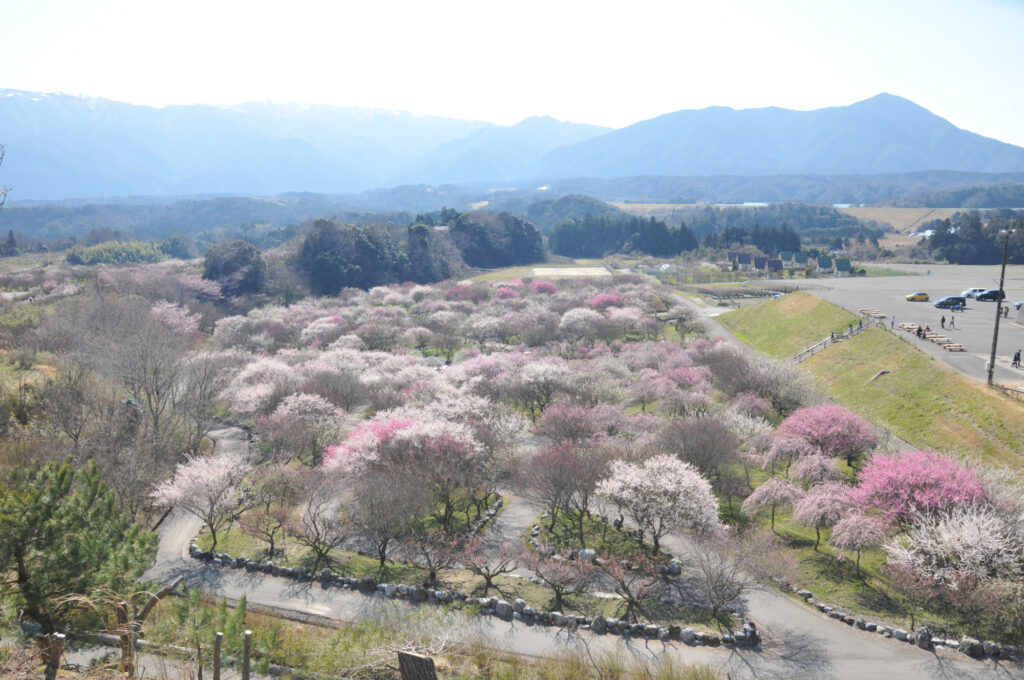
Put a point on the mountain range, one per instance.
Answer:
(61, 146)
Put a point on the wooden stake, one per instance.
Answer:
(247, 651)
(216, 655)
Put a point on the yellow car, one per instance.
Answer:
(917, 297)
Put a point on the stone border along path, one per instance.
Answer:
(797, 642)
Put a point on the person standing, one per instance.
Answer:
(952, 321)
(942, 322)
(892, 322)
(1016, 359)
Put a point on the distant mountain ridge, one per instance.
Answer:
(884, 134)
(61, 146)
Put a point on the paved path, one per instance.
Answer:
(800, 643)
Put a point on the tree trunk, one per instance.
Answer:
(51, 648)
(817, 539)
(416, 667)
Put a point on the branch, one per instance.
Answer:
(156, 597)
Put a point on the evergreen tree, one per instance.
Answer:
(61, 535)
(10, 245)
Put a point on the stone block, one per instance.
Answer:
(971, 647)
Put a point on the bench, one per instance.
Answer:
(954, 347)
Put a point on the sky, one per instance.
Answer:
(595, 61)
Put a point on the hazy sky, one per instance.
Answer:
(610, 63)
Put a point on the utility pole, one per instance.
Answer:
(999, 310)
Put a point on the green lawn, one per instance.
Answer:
(597, 535)
(783, 326)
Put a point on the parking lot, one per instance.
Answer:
(973, 326)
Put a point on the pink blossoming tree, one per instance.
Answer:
(902, 485)
(858, 532)
(444, 456)
(832, 429)
(774, 493)
(208, 487)
(822, 507)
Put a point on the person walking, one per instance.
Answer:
(892, 322)
(942, 322)
(952, 321)
(1016, 359)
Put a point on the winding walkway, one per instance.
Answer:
(799, 642)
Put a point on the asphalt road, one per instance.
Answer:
(799, 642)
(973, 327)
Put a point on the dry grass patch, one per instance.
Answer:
(902, 219)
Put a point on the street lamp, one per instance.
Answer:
(999, 309)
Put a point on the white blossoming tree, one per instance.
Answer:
(660, 495)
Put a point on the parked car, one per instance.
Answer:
(991, 295)
(917, 297)
(971, 292)
(951, 301)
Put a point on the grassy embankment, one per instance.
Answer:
(920, 400)
(784, 326)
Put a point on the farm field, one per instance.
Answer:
(584, 269)
(903, 220)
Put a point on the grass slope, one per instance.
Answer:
(921, 400)
(784, 326)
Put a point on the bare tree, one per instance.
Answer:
(64, 401)
(384, 509)
(476, 559)
(433, 550)
(320, 526)
(4, 189)
(273, 492)
(636, 584)
(562, 576)
(723, 576)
